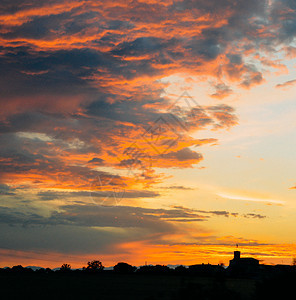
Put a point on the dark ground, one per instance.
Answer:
(140, 286)
(122, 286)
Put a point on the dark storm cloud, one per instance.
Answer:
(61, 72)
(125, 111)
(143, 45)
(37, 28)
(9, 7)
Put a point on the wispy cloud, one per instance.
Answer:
(286, 84)
(253, 199)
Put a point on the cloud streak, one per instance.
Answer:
(253, 199)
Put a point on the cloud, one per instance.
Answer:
(284, 11)
(79, 228)
(59, 238)
(6, 190)
(87, 46)
(76, 70)
(286, 84)
(95, 193)
(251, 79)
(221, 213)
(178, 187)
(96, 160)
(184, 155)
(224, 114)
(245, 198)
(90, 215)
(60, 149)
(85, 229)
(222, 91)
(254, 216)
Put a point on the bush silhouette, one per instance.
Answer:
(157, 269)
(123, 267)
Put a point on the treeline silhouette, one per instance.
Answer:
(148, 282)
(96, 267)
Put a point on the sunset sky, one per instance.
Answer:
(147, 131)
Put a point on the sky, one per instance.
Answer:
(147, 131)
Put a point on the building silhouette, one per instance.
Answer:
(243, 265)
(243, 261)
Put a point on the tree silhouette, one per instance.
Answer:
(94, 266)
(65, 267)
(18, 268)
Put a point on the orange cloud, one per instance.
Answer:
(286, 84)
